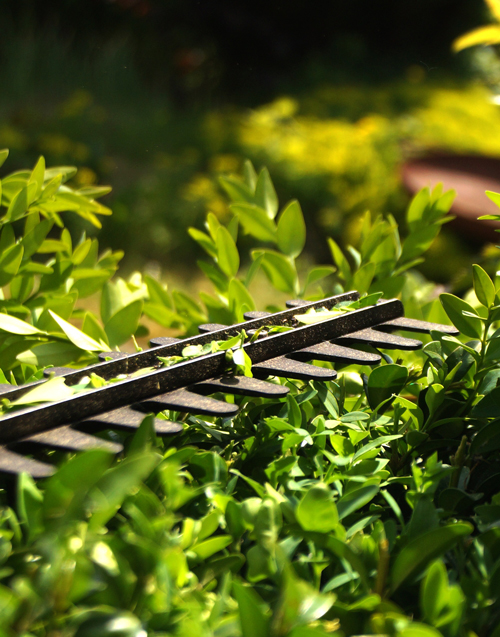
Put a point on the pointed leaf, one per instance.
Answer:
(279, 271)
(123, 324)
(4, 153)
(265, 194)
(317, 511)
(483, 286)
(425, 548)
(454, 308)
(10, 261)
(339, 259)
(291, 230)
(76, 336)
(37, 177)
(252, 611)
(237, 190)
(255, 221)
(204, 240)
(228, 257)
(384, 382)
(250, 175)
(486, 36)
(14, 325)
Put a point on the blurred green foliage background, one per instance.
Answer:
(159, 97)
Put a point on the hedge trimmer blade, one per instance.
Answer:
(186, 386)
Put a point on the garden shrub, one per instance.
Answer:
(364, 506)
(44, 273)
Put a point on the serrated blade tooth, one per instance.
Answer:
(211, 327)
(241, 385)
(183, 400)
(285, 367)
(128, 419)
(70, 439)
(380, 339)
(336, 353)
(413, 325)
(13, 463)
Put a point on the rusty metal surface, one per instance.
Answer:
(186, 386)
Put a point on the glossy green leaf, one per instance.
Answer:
(20, 202)
(354, 500)
(120, 327)
(487, 439)
(268, 523)
(4, 153)
(112, 488)
(417, 208)
(278, 269)
(110, 624)
(265, 194)
(228, 257)
(291, 233)
(207, 548)
(373, 444)
(487, 36)
(29, 505)
(35, 237)
(10, 260)
(418, 242)
(250, 175)
(416, 629)
(239, 296)
(434, 590)
(93, 328)
(204, 240)
(14, 325)
(50, 354)
(488, 406)
(237, 190)
(339, 259)
(76, 336)
(88, 281)
(483, 286)
(254, 620)
(254, 221)
(316, 510)
(317, 274)
(145, 437)
(37, 177)
(454, 308)
(363, 277)
(67, 490)
(384, 382)
(426, 547)
(207, 466)
(300, 604)
(7, 239)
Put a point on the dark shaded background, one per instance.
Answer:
(124, 90)
(246, 51)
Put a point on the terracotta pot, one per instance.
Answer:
(470, 176)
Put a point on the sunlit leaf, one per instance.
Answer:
(291, 232)
(76, 336)
(486, 36)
